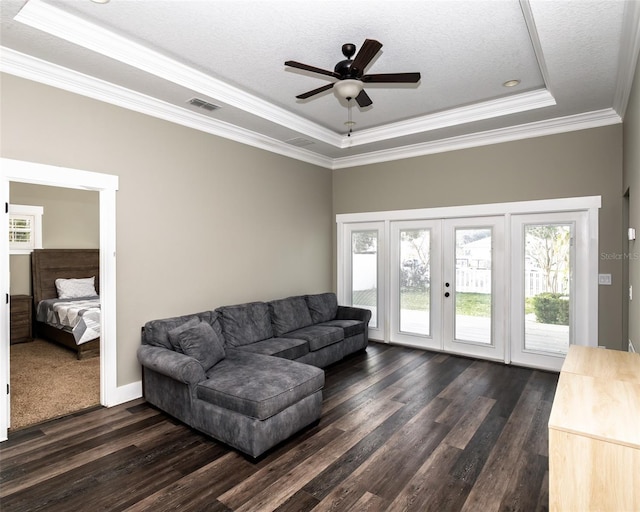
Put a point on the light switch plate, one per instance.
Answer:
(604, 278)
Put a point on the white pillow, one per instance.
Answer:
(75, 288)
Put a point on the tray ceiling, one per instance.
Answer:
(574, 62)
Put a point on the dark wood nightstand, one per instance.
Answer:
(21, 319)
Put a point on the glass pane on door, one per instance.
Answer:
(547, 287)
(472, 293)
(364, 272)
(415, 289)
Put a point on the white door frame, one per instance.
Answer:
(106, 185)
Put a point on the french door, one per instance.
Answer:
(415, 280)
(509, 285)
(473, 290)
(446, 285)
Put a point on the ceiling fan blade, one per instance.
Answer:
(308, 94)
(392, 78)
(313, 69)
(367, 52)
(363, 99)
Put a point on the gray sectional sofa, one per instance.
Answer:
(250, 374)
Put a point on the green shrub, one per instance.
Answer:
(551, 308)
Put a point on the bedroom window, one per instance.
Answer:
(25, 228)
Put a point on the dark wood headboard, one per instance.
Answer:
(47, 265)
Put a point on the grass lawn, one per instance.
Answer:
(472, 304)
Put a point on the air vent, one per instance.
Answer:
(197, 102)
(299, 142)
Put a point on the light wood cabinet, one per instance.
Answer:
(594, 432)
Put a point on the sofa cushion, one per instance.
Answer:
(202, 343)
(287, 348)
(258, 386)
(318, 336)
(322, 307)
(289, 314)
(156, 332)
(245, 323)
(350, 327)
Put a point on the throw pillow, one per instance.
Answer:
(174, 334)
(203, 344)
(76, 288)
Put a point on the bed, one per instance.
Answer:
(47, 265)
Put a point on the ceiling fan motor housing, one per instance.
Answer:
(343, 68)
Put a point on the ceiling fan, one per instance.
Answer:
(350, 75)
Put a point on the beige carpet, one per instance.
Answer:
(47, 381)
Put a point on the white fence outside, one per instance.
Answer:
(469, 280)
(472, 280)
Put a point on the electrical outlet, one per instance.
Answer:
(604, 278)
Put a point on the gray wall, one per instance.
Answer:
(201, 221)
(582, 163)
(71, 220)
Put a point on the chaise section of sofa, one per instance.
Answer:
(249, 401)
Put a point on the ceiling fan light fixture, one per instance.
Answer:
(348, 88)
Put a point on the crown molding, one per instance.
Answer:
(576, 122)
(76, 30)
(454, 117)
(57, 22)
(29, 67)
(629, 50)
(529, 20)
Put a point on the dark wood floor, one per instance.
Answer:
(401, 429)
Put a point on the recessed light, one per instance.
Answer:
(511, 83)
(100, 1)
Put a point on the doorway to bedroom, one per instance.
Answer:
(48, 380)
(106, 186)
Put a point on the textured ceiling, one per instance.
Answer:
(574, 61)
